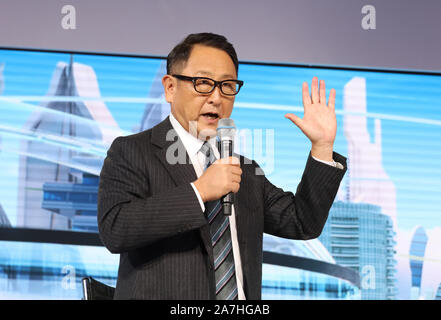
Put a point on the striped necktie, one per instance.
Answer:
(225, 273)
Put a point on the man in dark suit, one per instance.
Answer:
(158, 203)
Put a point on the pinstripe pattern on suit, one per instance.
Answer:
(148, 212)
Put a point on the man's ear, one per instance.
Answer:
(169, 84)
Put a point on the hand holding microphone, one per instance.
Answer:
(223, 177)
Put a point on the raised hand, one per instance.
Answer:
(319, 122)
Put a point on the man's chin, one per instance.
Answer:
(203, 131)
(207, 132)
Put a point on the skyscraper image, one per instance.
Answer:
(416, 252)
(360, 231)
(430, 271)
(4, 221)
(69, 137)
(154, 113)
(367, 181)
(359, 236)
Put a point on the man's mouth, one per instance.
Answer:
(211, 115)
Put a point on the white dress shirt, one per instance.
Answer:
(193, 146)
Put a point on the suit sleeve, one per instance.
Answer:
(129, 217)
(302, 216)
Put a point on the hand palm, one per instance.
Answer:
(319, 122)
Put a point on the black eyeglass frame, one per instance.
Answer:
(216, 83)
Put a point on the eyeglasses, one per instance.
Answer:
(207, 85)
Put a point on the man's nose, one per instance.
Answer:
(215, 96)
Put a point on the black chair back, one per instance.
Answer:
(95, 290)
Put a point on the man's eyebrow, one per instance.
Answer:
(209, 74)
(204, 73)
(228, 76)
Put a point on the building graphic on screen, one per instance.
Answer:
(77, 200)
(369, 206)
(154, 113)
(4, 221)
(61, 159)
(367, 181)
(348, 235)
(416, 252)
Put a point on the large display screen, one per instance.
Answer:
(60, 111)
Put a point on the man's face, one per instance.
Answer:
(191, 108)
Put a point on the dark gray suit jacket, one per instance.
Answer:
(149, 213)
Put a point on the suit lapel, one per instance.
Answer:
(172, 153)
(174, 157)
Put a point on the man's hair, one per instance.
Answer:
(181, 53)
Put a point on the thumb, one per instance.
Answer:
(295, 119)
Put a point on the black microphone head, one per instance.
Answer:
(226, 129)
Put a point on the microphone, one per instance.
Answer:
(226, 131)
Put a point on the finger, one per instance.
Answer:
(295, 119)
(236, 178)
(219, 161)
(236, 171)
(331, 102)
(314, 90)
(322, 92)
(305, 94)
(235, 187)
(229, 160)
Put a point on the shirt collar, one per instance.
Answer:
(191, 143)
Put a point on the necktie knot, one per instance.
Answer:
(207, 151)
